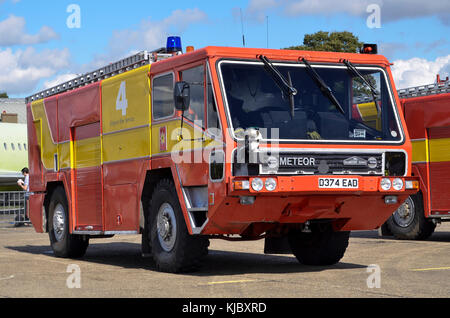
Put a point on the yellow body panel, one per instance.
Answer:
(369, 115)
(431, 150)
(132, 88)
(45, 140)
(193, 138)
(64, 155)
(126, 116)
(87, 153)
(125, 145)
(420, 151)
(439, 150)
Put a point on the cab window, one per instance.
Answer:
(163, 96)
(195, 77)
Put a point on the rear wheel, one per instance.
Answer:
(173, 249)
(63, 243)
(409, 222)
(321, 246)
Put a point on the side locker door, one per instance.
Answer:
(439, 147)
(88, 177)
(80, 155)
(125, 146)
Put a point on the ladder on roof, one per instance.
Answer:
(132, 62)
(425, 90)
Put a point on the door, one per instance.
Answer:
(439, 158)
(88, 177)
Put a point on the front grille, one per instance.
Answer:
(324, 164)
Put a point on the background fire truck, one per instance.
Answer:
(269, 144)
(427, 114)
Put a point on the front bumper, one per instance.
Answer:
(299, 199)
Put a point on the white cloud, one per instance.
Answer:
(257, 9)
(418, 71)
(153, 34)
(22, 70)
(148, 35)
(391, 10)
(12, 32)
(303, 7)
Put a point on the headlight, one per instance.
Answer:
(386, 184)
(257, 184)
(271, 184)
(397, 184)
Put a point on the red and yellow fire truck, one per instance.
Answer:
(427, 113)
(220, 143)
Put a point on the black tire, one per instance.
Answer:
(64, 244)
(173, 249)
(409, 222)
(321, 247)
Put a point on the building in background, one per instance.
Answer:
(13, 142)
(12, 108)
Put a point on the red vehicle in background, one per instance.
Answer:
(427, 115)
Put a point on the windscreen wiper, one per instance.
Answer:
(355, 71)
(324, 88)
(284, 85)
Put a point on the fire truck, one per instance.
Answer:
(220, 143)
(427, 114)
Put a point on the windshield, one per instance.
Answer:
(255, 101)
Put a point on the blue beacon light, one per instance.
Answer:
(174, 44)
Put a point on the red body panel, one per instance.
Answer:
(78, 108)
(428, 118)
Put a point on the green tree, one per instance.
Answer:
(330, 42)
(3, 95)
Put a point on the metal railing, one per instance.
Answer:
(13, 208)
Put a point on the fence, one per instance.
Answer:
(13, 206)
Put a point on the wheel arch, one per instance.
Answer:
(50, 189)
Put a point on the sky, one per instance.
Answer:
(45, 42)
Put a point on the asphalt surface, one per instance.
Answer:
(114, 268)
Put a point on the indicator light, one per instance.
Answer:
(412, 185)
(241, 185)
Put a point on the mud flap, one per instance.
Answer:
(277, 245)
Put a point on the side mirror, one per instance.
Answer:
(182, 96)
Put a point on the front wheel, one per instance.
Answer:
(409, 221)
(173, 249)
(321, 246)
(64, 244)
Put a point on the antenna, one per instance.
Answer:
(267, 19)
(242, 26)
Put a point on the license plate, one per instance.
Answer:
(338, 183)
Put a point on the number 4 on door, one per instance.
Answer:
(122, 102)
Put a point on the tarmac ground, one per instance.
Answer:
(372, 267)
